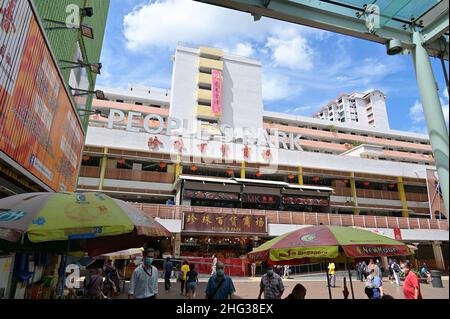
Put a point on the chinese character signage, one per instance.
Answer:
(38, 125)
(216, 88)
(304, 201)
(188, 194)
(259, 199)
(224, 223)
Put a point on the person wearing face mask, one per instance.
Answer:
(144, 281)
(219, 285)
(271, 284)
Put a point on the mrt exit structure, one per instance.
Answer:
(416, 27)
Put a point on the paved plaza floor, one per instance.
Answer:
(248, 288)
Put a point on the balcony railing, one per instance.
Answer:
(141, 176)
(300, 218)
(380, 194)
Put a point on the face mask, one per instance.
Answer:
(220, 272)
(270, 273)
(148, 261)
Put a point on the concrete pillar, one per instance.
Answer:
(438, 257)
(300, 175)
(103, 165)
(243, 169)
(432, 109)
(402, 195)
(385, 263)
(178, 167)
(355, 197)
(177, 245)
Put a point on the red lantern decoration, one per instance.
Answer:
(366, 184)
(86, 158)
(162, 165)
(194, 168)
(291, 176)
(391, 186)
(230, 172)
(267, 154)
(315, 179)
(246, 151)
(154, 143)
(121, 162)
(203, 147)
(224, 149)
(258, 174)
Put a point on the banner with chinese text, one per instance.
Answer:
(216, 88)
(224, 223)
(38, 126)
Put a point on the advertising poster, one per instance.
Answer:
(216, 88)
(38, 125)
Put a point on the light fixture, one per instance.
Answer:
(85, 30)
(394, 46)
(87, 12)
(93, 67)
(99, 95)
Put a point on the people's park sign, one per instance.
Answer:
(224, 223)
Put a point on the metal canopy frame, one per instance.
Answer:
(424, 35)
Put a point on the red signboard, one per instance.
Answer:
(216, 87)
(224, 223)
(357, 251)
(38, 125)
(397, 234)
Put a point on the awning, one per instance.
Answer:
(207, 179)
(311, 187)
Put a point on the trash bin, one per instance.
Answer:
(436, 280)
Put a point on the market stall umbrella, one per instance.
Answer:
(125, 254)
(320, 243)
(93, 222)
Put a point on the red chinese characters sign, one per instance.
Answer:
(39, 129)
(216, 88)
(224, 223)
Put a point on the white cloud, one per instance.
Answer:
(243, 49)
(416, 113)
(299, 110)
(290, 49)
(276, 87)
(163, 23)
(417, 116)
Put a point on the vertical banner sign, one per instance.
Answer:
(397, 234)
(216, 88)
(38, 125)
(435, 199)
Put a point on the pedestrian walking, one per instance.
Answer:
(373, 266)
(144, 281)
(183, 277)
(391, 270)
(380, 269)
(271, 284)
(168, 268)
(286, 272)
(358, 270)
(95, 285)
(219, 285)
(396, 272)
(363, 269)
(411, 286)
(112, 280)
(374, 286)
(332, 274)
(191, 281)
(253, 268)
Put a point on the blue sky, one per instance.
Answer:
(303, 68)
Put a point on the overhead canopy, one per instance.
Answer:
(395, 20)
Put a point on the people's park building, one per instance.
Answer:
(224, 175)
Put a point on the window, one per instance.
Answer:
(119, 101)
(138, 103)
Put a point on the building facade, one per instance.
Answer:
(224, 175)
(42, 120)
(365, 110)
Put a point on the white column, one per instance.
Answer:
(438, 257)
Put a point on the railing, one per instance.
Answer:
(142, 176)
(379, 194)
(300, 218)
(90, 171)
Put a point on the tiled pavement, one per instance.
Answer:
(248, 288)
